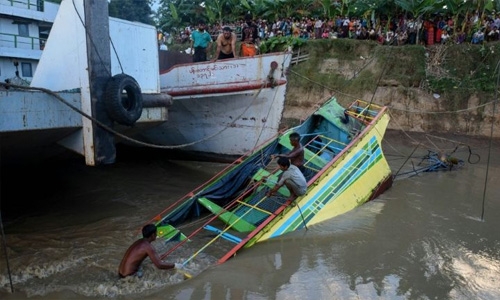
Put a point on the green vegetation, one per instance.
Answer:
(132, 10)
(174, 15)
(365, 62)
(457, 73)
(281, 43)
(465, 71)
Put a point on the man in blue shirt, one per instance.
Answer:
(200, 40)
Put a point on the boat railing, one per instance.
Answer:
(158, 219)
(37, 5)
(224, 233)
(363, 111)
(245, 213)
(324, 148)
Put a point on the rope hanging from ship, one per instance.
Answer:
(111, 130)
(491, 140)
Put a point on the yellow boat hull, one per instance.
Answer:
(359, 175)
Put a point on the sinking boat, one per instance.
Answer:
(344, 168)
(95, 87)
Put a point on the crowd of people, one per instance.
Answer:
(397, 31)
(201, 41)
(401, 30)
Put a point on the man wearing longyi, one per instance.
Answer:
(249, 37)
(138, 251)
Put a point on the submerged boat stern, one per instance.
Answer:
(357, 174)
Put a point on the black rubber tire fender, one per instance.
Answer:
(123, 99)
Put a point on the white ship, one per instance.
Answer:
(99, 82)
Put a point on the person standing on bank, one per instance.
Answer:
(200, 42)
(226, 44)
(249, 37)
(292, 178)
(138, 251)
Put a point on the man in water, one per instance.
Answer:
(140, 249)
(296, 156)
(226, 44)
(292, 178)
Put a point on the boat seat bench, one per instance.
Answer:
(255, 208)
(248, 214)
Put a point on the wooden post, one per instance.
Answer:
(99, 71)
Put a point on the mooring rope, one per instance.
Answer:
(112, 131)
(491, 141)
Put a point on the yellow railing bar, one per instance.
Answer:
(219, 235)
(254, 207)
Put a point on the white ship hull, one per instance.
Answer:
(224, 107)
(227, 107)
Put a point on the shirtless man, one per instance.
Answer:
(139, 250)
(226, 44)
(296, 156)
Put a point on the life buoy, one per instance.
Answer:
(123, 99)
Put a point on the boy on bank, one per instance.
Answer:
(138, 251)
(292, 178)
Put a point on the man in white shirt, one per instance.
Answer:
(292, 178)
(317, 29)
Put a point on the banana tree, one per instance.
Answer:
(215, 10)
(168, 16)
(272, 11)
(327, 7)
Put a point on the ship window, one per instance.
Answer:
(23, 29)
(26, 69)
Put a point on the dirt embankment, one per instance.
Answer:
(427, 90)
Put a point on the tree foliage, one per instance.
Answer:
(131, 10)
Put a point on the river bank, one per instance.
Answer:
(440, 89)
